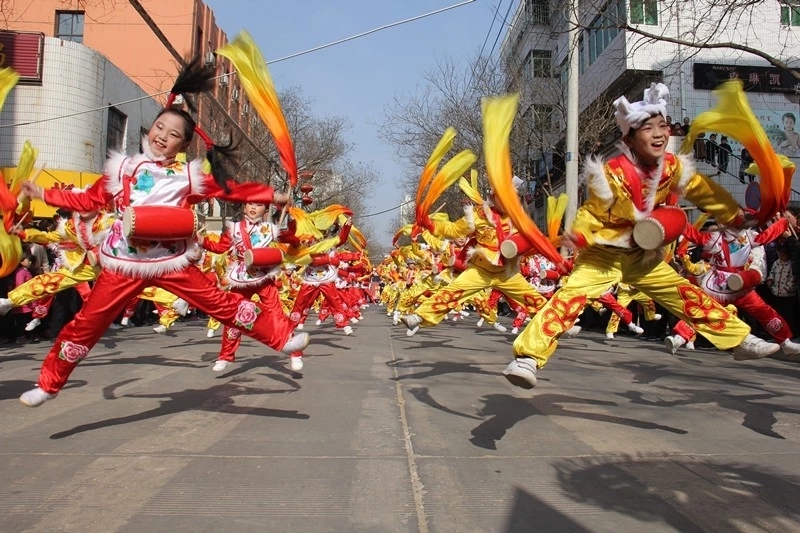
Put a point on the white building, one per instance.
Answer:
(614, 62)
(68, 105)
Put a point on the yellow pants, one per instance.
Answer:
(51, 283)
(167, 318)
(625, 298)
(472, 281)
(159, 296)
(598, 268)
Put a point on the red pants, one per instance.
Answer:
(306, 297)
(271, 303)
(111, 294)
(609, 302)
(752, 304)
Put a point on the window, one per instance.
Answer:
(542, 117)
(603, 29)
(790, 12)
(69, 26)
(538, 11)
(538, 65)
(538, 117)
(644, 12)
(115, 131)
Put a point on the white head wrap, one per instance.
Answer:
(633, 115)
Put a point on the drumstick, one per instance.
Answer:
(32, 179)
(439, 208)
(18, 225)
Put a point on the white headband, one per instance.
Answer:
(633, 115)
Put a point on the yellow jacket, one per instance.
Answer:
(75, 237)
(482, 225)
(609, 214)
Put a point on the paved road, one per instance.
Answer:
(384, 433)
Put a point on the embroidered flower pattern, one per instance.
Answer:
(699, 307)
(71, 352)
(144, 182)
(561, 315)
(232, 334)
(45, 284)
(445, 300)
(246, 314)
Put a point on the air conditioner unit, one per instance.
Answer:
(210, 58)
(223, 80)
(235, 95)
(245, 109)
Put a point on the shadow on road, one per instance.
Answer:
(687, 495)
(219, 398)
(505, 411)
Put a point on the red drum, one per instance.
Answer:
(515, 245)
(159, 223)
(91, 258)
(548, 274)
(746, 279)
(263, 257)
(663, 226)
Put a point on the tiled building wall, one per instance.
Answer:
(76, 81)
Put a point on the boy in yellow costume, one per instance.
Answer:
(487, 268)
(76, 235)
(623, 191)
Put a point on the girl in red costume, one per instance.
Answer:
(252, 232)
(155, 178)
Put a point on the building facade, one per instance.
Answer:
(616, 62)
(66, 117)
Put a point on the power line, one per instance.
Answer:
(340, 41)
(384, 211)
(496, 38)
(398, 23)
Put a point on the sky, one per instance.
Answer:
(358, 79)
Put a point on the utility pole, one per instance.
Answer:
(182, 62)
(573, 97)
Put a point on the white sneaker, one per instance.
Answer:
(411, 332)
(514, 331)
(574, 331)
(521, 372)
(690, 345)
(296, 363)
(395, 318)
(499, 327)
(480, 323)
(754, 348)
(636, 329)
(111, 326)
(609, 335)
(528, 320)
(673, 342)
(788, 347)
(125, 321)
(657, 316)
(180, 306)
(602, 311)
(221, 365)
(318, 322)
(36, 397)
(160, 329)
(5, 306)
(299, 326)
(354, 320)
(33, 324)
(411, 321)
(463, 314)
(210, 333)
(296, 343)
(347, 330)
